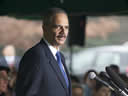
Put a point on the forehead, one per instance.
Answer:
(60, 18)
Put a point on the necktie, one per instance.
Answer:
(61, 67)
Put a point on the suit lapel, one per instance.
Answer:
(55, 66)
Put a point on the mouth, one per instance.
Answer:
(61, 37)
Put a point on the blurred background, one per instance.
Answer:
(99, 31)
(98, 35)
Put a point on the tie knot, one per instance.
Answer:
(58, 54)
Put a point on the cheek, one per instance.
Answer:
(51, 34)
(54, 32)
(67, 33)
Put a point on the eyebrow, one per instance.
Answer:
(55, 25)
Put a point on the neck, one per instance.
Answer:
(57, 47)
(54, 45)
(51, 43)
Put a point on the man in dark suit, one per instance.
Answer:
(40, 73)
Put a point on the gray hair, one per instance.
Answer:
(48, 14)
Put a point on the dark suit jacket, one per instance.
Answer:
(40, 75)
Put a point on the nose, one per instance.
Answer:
(64, 28)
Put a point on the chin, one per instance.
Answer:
(60, 43)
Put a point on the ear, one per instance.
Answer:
(43, 27)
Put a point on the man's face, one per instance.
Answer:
(56, 32)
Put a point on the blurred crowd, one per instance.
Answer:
(9, 64)
(92, 87)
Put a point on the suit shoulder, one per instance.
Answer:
(36, 50)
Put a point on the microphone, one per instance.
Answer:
(110, 82)
(92, 75)
(106, 76)
(118, 81)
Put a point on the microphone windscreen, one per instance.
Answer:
(92, 75)
(116, 78)
(105, 76)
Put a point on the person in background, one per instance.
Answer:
(74, 79)
(101, 89)
(77, 90)
(12, 80)
(42, 70)
(89, 84)
(4, 82)
(9, 57)
(4, 70)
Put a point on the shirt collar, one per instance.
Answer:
(53, 50)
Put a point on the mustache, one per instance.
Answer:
(62, 35)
